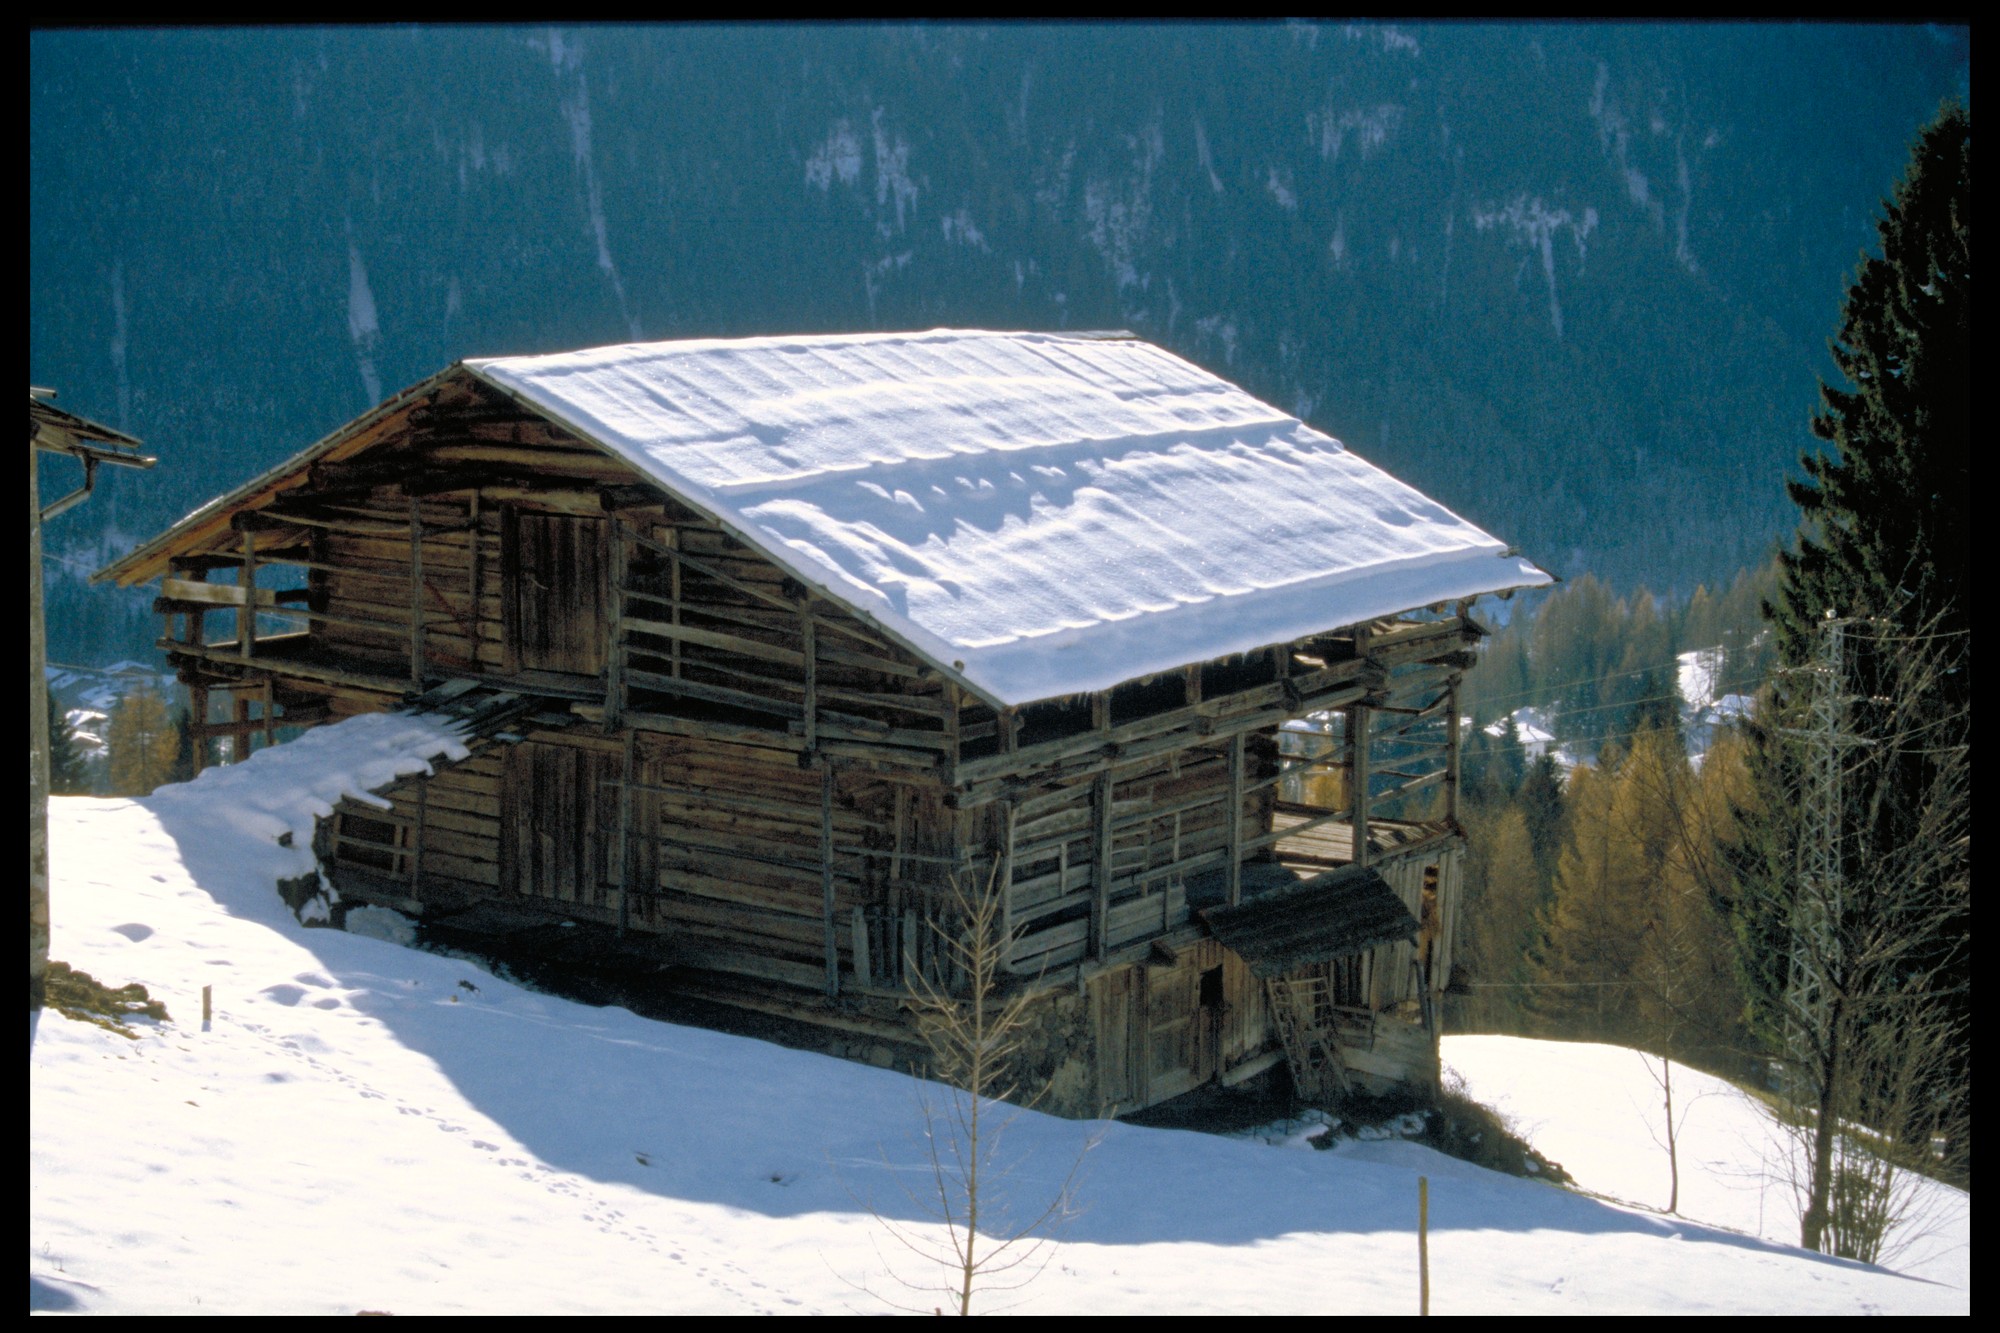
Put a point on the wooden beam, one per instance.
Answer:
(212, 594)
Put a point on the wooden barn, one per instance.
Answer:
(765, 644)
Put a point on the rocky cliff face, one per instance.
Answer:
(1573, 281)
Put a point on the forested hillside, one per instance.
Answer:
(1574, 281)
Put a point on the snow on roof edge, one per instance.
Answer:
(1036, 667)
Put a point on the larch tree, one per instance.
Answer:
(141, 742)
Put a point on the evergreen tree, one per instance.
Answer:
(1884, 547)
(69, 773)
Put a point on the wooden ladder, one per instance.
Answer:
(1310, 1049)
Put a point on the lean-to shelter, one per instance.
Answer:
(772, 640)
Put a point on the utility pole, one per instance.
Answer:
(1816, 946)
(1816, 982)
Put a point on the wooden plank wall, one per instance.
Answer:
(1169, 823)
(1154, 1037)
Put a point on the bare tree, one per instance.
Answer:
(974, 1033)
(1861, 966)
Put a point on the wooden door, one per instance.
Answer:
(558, 588)
(559, 825)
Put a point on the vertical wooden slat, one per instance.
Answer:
(472, 562)
(1004, 886)
(809, 648)
(614, 666)
(864, 972)
(1100, 908)
(1451, 753)
(1236, 784)
(674, 604)
(826, 876)
(416, 596)
(416, 849)
(1357, 779)
(270, 722)
(625, 829)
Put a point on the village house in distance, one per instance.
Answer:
(763, 643)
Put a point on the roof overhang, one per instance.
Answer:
(1333, 915)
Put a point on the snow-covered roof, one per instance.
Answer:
(1042, 514)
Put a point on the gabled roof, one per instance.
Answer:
(1037, 514)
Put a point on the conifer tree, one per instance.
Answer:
(1887, 506)
(1884, 547)
(69, 775)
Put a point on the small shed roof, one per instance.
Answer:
(1332, 915)
(1043, 514)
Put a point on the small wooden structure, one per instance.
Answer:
(779, 749)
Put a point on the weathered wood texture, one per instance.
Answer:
(781, 791)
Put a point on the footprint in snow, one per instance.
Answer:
(133, 931)
(285, 994)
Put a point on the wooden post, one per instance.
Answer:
(864, 971)
(239, 739)
(472, 560)
(416, 597)
(1423, 1244)
(625, 831)
(614, 662)
(1236, 819)
(416, 849)
(1100, 907)
(1009, 723)
(197, 720)
(246, 580)
(1357, 779)
(674, 605)
(1451, 760)
(950, 703)
(1004, 886)
(809, 648)
(270, 722)
(826, 876)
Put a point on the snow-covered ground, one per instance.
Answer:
(362, 1126)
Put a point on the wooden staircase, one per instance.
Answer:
(1310, 1049)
